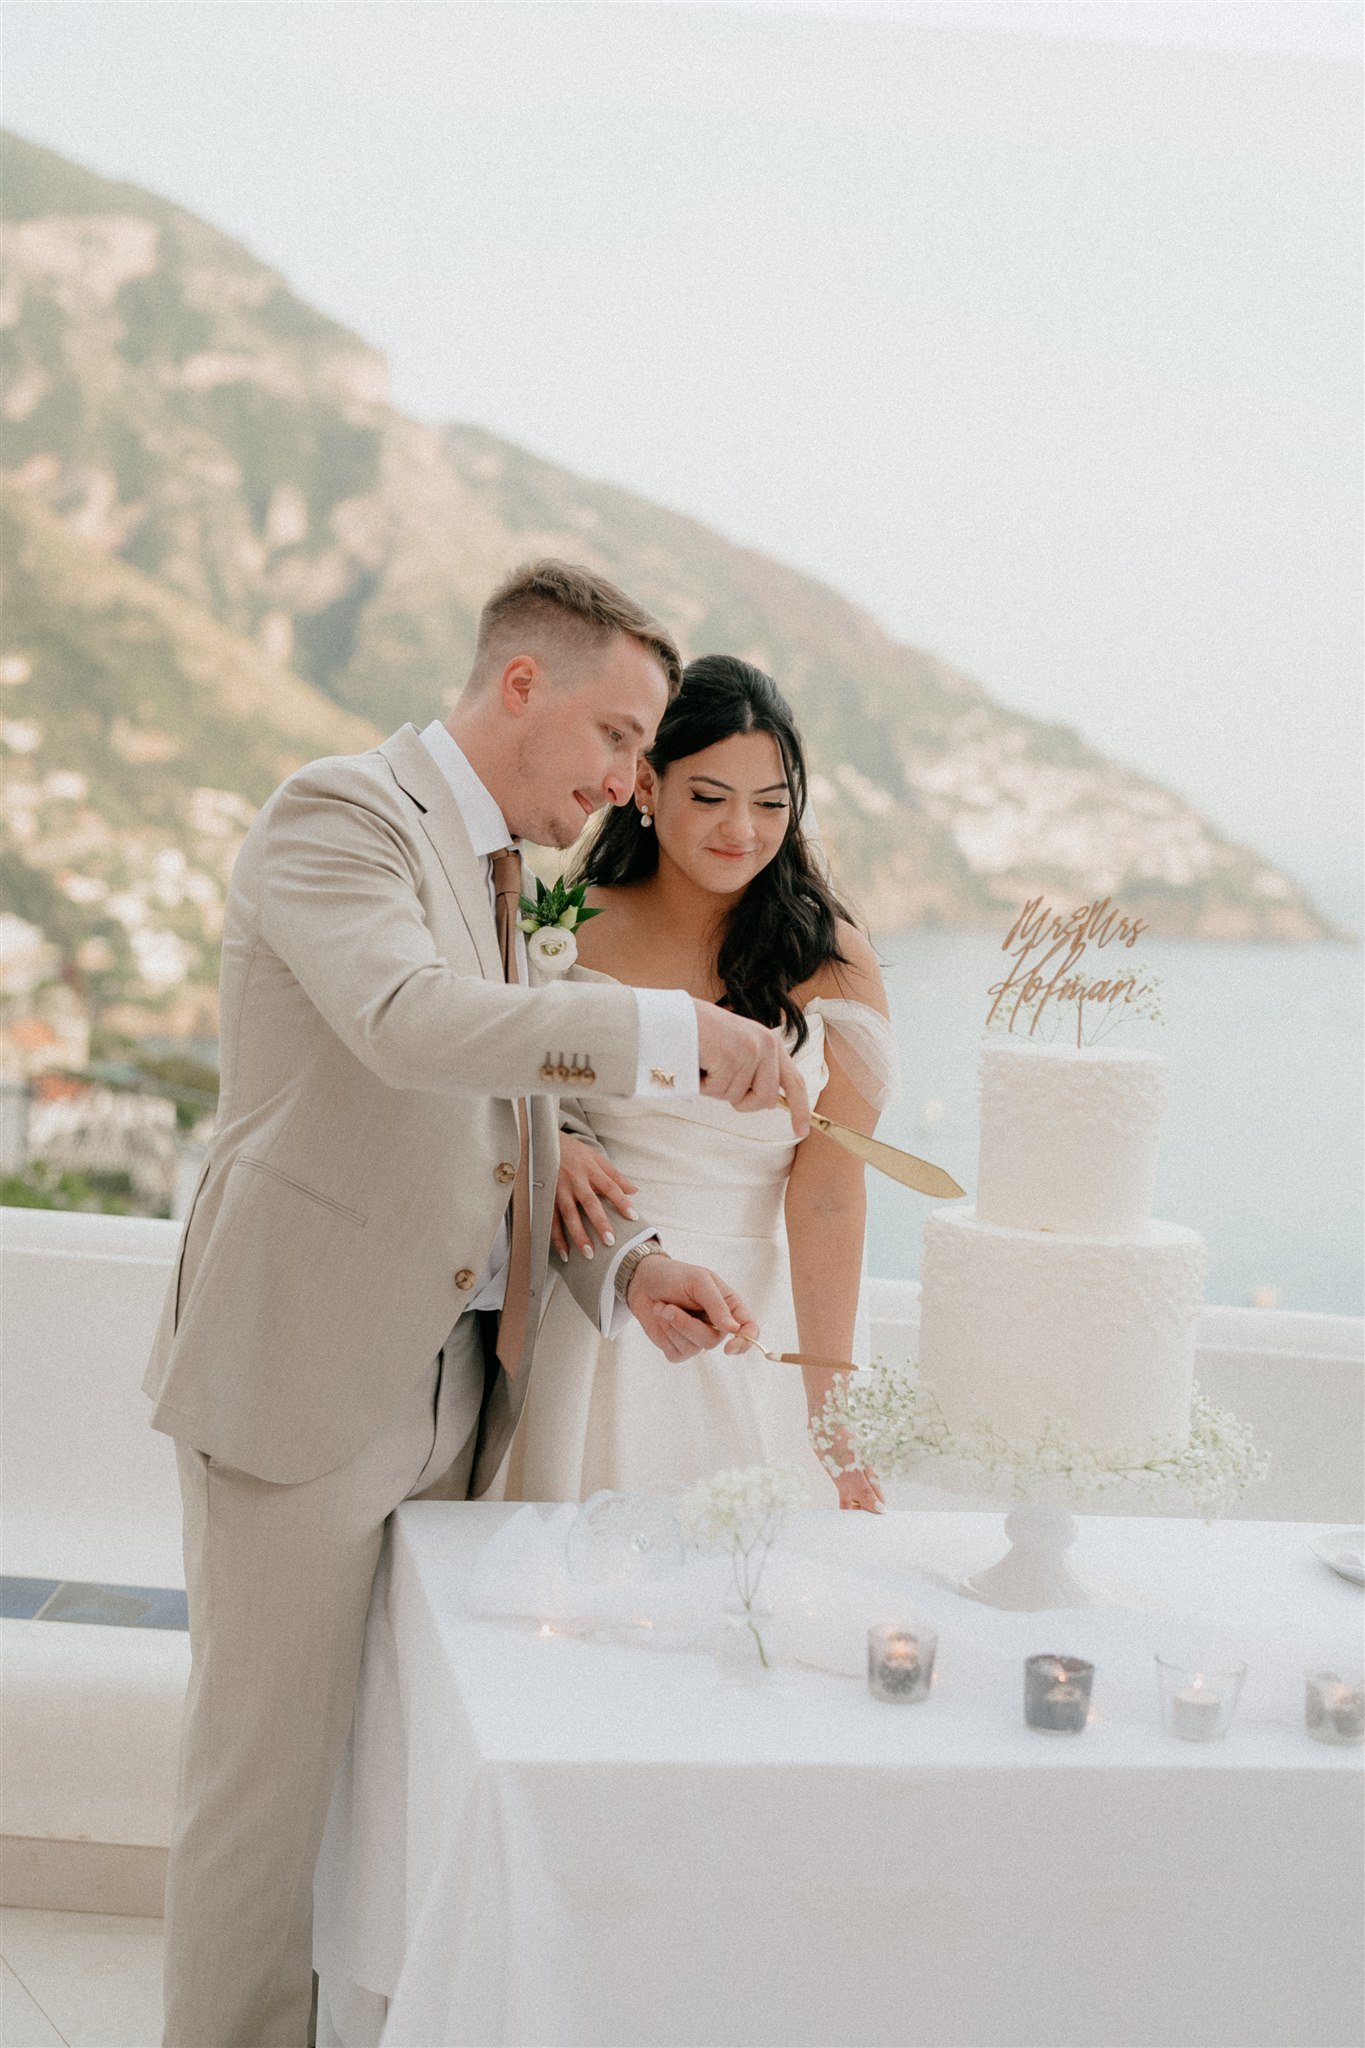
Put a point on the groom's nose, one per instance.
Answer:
(618, 785)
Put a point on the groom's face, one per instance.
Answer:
(584, 727)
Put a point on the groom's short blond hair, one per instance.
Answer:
(566, 602)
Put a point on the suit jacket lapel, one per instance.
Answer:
(417, 774)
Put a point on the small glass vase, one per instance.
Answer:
(744, 1650)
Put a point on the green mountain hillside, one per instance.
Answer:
(229, 552)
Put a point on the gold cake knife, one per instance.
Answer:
(911, 1172)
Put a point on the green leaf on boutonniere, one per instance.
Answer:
(556, 905)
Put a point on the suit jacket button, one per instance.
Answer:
(505, 1173)
(464, 1279)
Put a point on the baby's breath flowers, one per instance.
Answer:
(896, 1424)
(739, 1513)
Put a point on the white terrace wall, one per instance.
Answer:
(88, 1492)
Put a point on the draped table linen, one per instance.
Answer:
(550, 1842)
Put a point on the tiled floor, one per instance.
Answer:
(90, 1980)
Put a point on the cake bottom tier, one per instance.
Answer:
(1019, 1327)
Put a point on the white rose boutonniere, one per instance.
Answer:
(550, 922)
(553, 949)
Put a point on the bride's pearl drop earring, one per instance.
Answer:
(646, 817)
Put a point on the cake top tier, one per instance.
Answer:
(1069, 1136)
(1085, 1066)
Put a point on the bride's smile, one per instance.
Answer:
(722, 814)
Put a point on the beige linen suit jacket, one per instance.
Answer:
(367, 1135)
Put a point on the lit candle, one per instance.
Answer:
(900, 1663)
(1196, 1713)
(1057, 1693)
(1334, 1708)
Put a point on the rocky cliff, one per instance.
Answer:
(227, 552)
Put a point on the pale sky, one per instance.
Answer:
(1034, 328)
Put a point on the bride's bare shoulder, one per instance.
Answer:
(599, 939)
(855, 978)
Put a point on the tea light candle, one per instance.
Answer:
(900, 1662)
(1198, 1702)
(1334, 1708)
(1057, 1693)
(1196, 1713)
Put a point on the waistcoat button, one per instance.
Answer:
(464, 1279)
(505, 1173)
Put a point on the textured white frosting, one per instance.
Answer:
(1069, 1137)
(1017, 1327)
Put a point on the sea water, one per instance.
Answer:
(1262, 1146)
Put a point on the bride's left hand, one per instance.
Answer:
(860, 1489)
(857, 1486)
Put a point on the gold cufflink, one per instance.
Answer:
(660, 1078)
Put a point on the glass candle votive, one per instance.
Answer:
(1334, 1707)
(1198, 1701)
(1057, 1693)
(900, 1662)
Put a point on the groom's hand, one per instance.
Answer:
(747, 1065)
(686, 1309)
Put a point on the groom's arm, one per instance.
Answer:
(337, 902)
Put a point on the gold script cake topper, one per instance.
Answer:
(1048, 975)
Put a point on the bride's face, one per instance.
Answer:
(720, 815)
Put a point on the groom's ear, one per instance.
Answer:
(517, 683)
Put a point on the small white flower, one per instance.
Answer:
(743, 1506)
(553, 949)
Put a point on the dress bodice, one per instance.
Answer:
(712, 1182)
(697, 1160)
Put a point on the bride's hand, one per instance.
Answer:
(587, 1178)
(857, 1486)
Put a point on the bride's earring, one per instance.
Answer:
(646, 817)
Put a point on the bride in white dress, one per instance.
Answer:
(708, 883)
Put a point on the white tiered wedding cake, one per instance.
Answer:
(1057, 1297)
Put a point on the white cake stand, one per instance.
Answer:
(1035, 1571)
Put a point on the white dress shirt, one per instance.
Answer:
(668, 1020)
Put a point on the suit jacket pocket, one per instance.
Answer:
(302, 1188)
(280, 1354)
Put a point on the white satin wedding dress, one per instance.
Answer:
(619, 1414)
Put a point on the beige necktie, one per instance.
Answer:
(516, 1307)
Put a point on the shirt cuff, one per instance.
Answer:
(668, 1059)
(612, 1313)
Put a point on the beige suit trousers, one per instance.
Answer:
(279, 1580)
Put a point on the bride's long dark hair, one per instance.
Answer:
(783, 928)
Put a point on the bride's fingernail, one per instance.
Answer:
(607, 1238)
(632, 1215)
(587, 1251)
(565, 1257)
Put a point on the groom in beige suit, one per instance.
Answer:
(352, 1317)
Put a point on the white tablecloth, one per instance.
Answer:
(558, 1843)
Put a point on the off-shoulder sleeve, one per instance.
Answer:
(862, 1041)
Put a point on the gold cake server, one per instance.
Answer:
(911, 1172)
